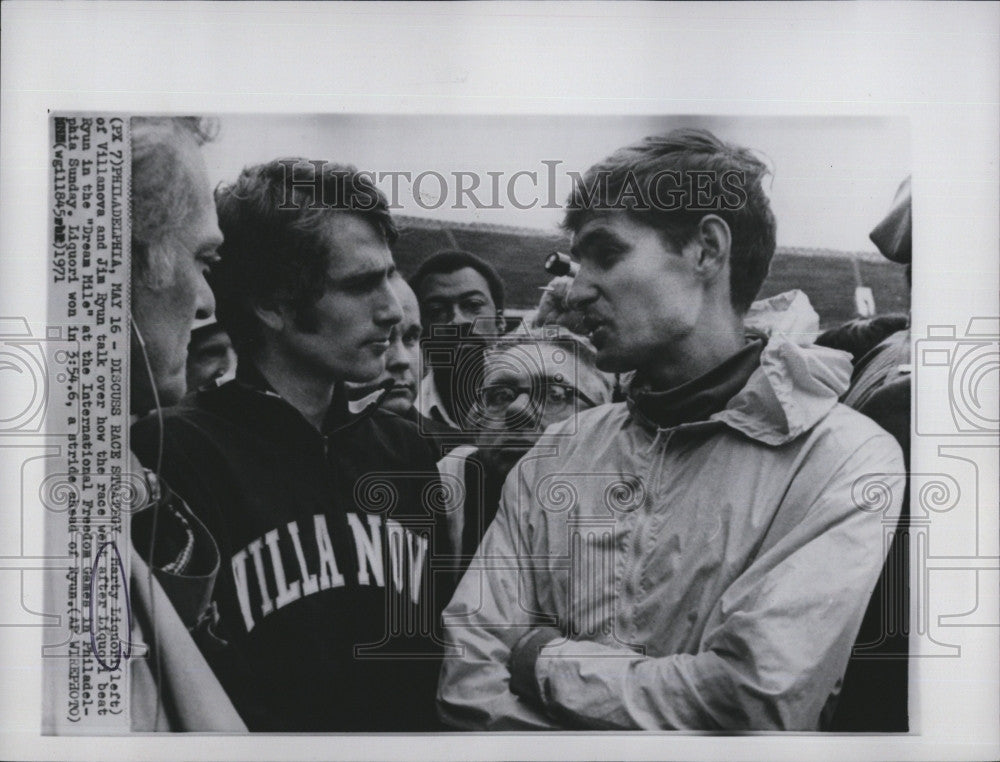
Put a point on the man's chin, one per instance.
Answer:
(169, 391)
(172, 390)
(363, 374)
(398, 405)
(610, 362)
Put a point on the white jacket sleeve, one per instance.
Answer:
(489, 612)
(777, 642)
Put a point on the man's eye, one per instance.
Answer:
(437, 312)
(207, 260)
(606, 257)
(473, 305)
(360, 285)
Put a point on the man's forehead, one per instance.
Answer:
(354, 247)
(606, 227)
(465, 280)
(538, 360)
(411, 316)
(407, 299)
(199, 231)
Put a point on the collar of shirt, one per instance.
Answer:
(429, 403)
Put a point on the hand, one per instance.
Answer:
(553, 307)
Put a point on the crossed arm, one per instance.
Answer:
(773, 650)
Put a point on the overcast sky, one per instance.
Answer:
(833, 178)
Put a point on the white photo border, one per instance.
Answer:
(933, 63)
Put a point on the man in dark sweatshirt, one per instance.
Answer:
(325, 610)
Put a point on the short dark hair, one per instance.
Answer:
(451, 260)
(275, 251)
(629, 181)
(161, 197)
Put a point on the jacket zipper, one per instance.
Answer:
(653, 481)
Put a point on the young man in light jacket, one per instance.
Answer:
(700, 556)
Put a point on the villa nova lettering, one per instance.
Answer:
(263, 564)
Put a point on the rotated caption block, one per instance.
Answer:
(85, 493)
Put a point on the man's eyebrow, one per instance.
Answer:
(366, 279)
(557, 378)
(594, 237)
(459, 297)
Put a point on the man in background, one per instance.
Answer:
(211, 357)
(875, 692)
(461, 300)
(530, 381)
(397, 386)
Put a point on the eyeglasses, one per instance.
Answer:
(496, 398)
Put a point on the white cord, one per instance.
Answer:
(156, 509)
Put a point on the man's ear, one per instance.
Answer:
(714, 240)
(272, 315)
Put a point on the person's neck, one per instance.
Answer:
(693, 356)
(304, 391)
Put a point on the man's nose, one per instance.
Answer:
(389, 311)
(460, 317)
(204, 300)
(397, 359)
(522, 413)
(582, 291)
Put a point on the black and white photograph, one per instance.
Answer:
(669, 481)
(379, 432)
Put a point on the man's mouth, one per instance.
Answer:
(593, 325)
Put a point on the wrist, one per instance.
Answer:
(523, 658)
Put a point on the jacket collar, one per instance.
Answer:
(792, 389)
(700, 397)
(338, 416)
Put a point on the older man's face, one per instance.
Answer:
(164, 314)
(528, 387)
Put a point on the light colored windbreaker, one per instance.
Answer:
(709, 576)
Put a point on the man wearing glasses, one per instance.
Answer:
(541, 377)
